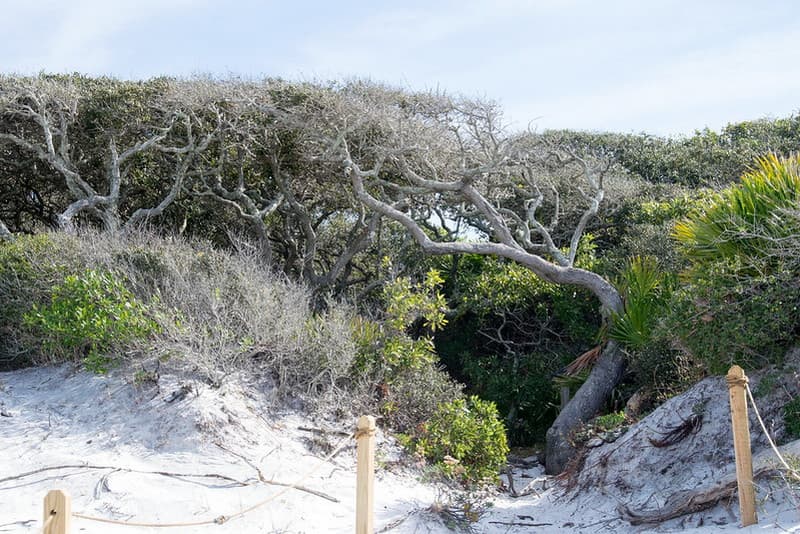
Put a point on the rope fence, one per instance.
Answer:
(789, 469)
(57, 505)
(740, 394)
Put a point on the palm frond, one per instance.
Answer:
(742, 220)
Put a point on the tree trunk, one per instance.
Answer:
(607, 371)
(584, 405)
(5, 234)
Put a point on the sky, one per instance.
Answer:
(667, 67)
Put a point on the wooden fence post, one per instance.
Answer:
(365, 475)
(57, 512)
(737, 382)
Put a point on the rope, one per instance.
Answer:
(47, 523)
(740, 381)
(225, 518)
(364, 432)
(793, 472)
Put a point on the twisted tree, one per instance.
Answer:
(263, 171)
(435, 164)
(96, 137)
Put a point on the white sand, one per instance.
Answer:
(58, 416)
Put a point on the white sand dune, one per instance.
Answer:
(115, 435)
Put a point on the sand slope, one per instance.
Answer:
(60, 416)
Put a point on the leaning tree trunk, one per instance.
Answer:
(583, 406)
(5, 234)
(607, 371)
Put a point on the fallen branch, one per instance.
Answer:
(125, 469)
(515, 524)
(302, 488)
(510, 474)
(391, 525)
(686, 502)
(323, 431)
(264, 479)
(678, 504)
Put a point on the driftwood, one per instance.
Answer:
(170, 474)
(686, 502)
(513, 524)
(272, 482)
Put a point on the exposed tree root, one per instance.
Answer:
(686, 502)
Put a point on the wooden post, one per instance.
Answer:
(741, 445)
(57, 513)
(365, 436)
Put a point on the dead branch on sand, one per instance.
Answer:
(686, 502)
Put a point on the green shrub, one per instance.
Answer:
(740, 301)
(30, 266)
(385, 346)
(644, 290)
(609, 421)
(746, 219)
(723, 316)
(466, 439)
(791, 418)
(89, 315)
(414, 394)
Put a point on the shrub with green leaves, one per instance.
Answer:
(725, 316)
(386, 344)
(609, 421)
(413, 395)
(740, 301)
(747, 219)
(405, 366)
(466, 439)
(644, 291)
(791, 418)
(89, 315)
(30, 266)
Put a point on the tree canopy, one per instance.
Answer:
(348, 185)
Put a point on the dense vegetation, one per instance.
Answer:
(293, 213)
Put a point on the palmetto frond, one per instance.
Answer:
(747, 218)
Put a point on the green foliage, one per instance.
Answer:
(405, 365)
(387, 344)
(644, 292)
(608, 427)
(88, 316)
(520, 386)
(707, 158)
(512, 332)
(661, 368)
(465, 439)
(740, 302)
(609, 421)
(747, 218)
(672, 209)
(405, 302)
(724, 316)
(29, 267)
(791, 418)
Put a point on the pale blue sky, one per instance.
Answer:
(665, 67)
